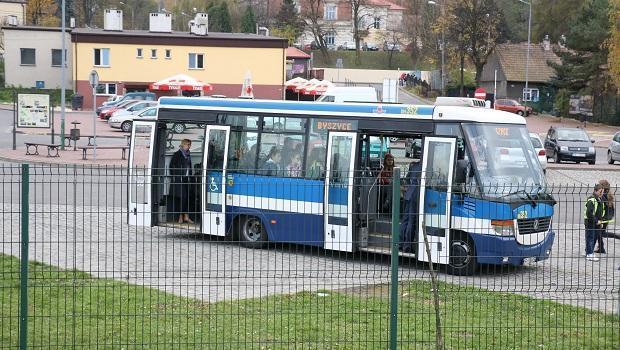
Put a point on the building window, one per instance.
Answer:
(377, 23)
(28, 57)
(196, 61)
(531, 95)
(57, 57)
(330, 12)
(168, 54)
(330, 38)
(106, 89)
(102, 57)
(153, 53)
(139, 53)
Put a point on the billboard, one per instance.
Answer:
(33, 111)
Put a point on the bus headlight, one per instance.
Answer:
(563, 148)
(503, 227)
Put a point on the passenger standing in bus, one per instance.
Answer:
(316, 163)
(272, 165)
(180, 169)
(385, 182)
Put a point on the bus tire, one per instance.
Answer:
(251, 232)
(463, 260)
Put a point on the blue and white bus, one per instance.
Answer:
(482, 193)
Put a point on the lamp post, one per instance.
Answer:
(527, 60)
(130, 9)
(63, 74)
(442, 46)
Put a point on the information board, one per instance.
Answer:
(33, 111)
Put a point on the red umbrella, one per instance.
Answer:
(292, 84)
(181, 82)
(319, 88)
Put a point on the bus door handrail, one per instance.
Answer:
(368, 199)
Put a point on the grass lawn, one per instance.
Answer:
(73, 309)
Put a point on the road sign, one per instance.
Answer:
(480, 93)
(93, 78)
(339, 63)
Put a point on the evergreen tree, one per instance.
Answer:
(248, 22)
(225, 23)
(587, 52)
(215, 17)
(288, 20)
(69, 11)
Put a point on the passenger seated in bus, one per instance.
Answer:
(385, 184)
(409, 222)
(247, 162)
(272, 165)
(293, 169)
(316, 163)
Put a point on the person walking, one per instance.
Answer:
(592, 216)
(181, 170)
(609, 211)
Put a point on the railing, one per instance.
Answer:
(76, 275)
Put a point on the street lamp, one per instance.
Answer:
(527, 60)
(131, 9)
(442, 47)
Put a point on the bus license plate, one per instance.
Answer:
(529, 261)
(579, 154)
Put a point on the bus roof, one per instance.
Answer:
(378, 110)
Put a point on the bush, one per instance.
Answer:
(7, 94)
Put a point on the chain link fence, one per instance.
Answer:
(76, 275)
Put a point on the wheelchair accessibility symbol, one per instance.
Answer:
(212, 185)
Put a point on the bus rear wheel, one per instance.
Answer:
(251, 232)
(462, 256)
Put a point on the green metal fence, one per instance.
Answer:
(75, 275)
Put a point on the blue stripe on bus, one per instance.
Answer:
(295, 189)
(481, 209)
(296, 106)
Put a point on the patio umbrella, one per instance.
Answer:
(181, 82)
(294, 83)
(308, 85)
(319, 88)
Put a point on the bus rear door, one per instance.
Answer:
(214, 180)
(140, 160)
(435, 196)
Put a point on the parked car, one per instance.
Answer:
(125, 121)
(392, 46)
(349, 94)
(540, 150)
(347, 45)
(132, 108)
(370, 47)
(413, 148)
(613, 150)
(512, 106)
(106, 112)
(572, 144)
(149, 96)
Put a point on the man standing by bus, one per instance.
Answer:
(592, 216)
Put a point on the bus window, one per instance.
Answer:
(242, 151)
(282, 145)
(316, 153)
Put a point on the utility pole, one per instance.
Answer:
(63, 80)
(527, 60)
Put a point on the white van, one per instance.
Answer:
(349, 94)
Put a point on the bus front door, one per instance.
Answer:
(214, 180)
(339, 191)
(435, 194)
(140, 158)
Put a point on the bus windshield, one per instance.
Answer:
(504, 159)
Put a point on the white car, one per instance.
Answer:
(125, 121)
(540, 150)
(133, 108)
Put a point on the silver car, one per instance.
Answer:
(613, 150)
(125, 121)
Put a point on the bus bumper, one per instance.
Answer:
(499, 250)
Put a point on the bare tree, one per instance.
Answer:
(312, 14)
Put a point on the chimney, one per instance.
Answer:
(200, 24)
(113, 20)
(11, 20)
(160, 22)
(72, 22)
(263, 31)
(547, 43)
(562, 41)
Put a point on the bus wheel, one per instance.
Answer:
(251, 233)
(462, 256)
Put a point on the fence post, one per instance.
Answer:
(23, 275)
(394, 259)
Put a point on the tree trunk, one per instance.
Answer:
(462, 74)
(479, 68)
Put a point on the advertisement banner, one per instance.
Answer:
(33, 111)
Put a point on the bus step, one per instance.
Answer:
(385, 251)
(382, 240)
(381, 225)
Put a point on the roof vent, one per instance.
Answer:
(547, 43)
(160, 22)
(72, 22)
(200, 24)
(263, 31)
(113, 20)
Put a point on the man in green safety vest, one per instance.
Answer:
(592, 216)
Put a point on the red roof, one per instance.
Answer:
(293, 52)
(385, 3)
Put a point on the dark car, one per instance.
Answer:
(571, 144)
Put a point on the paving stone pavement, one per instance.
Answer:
(97, 240)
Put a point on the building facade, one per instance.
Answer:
(32, 57)
(130, 60)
